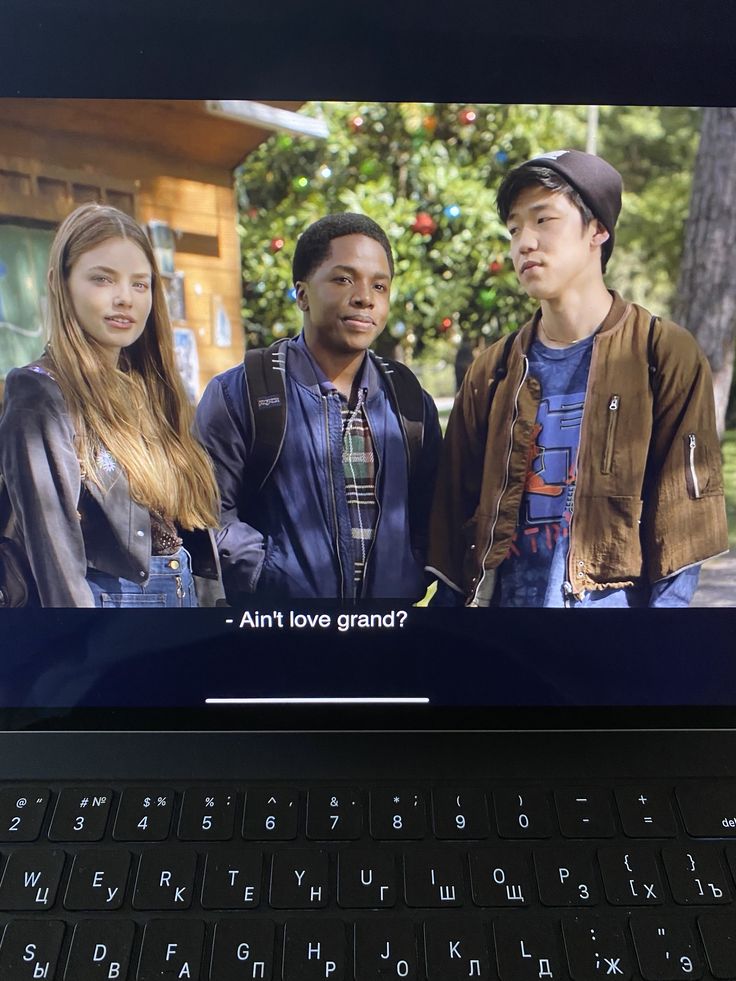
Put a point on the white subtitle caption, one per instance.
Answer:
(344, 622)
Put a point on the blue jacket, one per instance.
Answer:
(293, 539)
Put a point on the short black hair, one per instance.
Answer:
(313, 245)
(534, 175)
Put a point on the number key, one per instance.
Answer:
(270, 814)
(22, 811)
(460, 814)
(80, 814)
(336, 815)
(522, 813)
(144, 814)
(399, 814)
(207, 815)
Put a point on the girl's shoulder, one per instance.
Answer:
(33, 387)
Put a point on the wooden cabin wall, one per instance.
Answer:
(194, 199)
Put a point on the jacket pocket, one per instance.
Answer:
(697, 468)
(607, 461)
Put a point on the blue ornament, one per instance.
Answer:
(452, 211)
(502, 156)
(291, 293)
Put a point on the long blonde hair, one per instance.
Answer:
(137, 411)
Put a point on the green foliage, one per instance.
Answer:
(395, 161)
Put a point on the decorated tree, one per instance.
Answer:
(428, 173)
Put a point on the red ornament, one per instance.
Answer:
(424, 224)
(357, 123)
(495, 267)
(446, 324)
(430, 124)
(252, 212)
(277, 244)
(467, 116)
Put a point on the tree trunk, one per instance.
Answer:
(706, 291)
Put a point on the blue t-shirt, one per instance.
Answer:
(535, 570)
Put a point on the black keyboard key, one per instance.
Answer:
(144, 814)
(630, 875)
(22, 810)
(527, 948)
(596, 948)
(232, 879)
(718, 931)
(207, 815)
(81, 814)
(522, 813)
(665, 948)
(585, 813)
(646, 812)
(696, 875)
(366, 879)
(171, 949)
(708, 809)
(165, 879)
(501, 877)
(397, 815)
(31, 879)
(315, 950)
(299, 879)
(243, 949)
(456, 950)
(30, 950)
(565, 876)
(460, 814)
(100, 950)
(334, 815)
(433, 879)
(271, 815)
(98, 879)
(385, 949)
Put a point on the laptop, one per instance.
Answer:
(425, 793)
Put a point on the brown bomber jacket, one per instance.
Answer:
(649, 497)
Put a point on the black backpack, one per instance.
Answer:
(268, 410)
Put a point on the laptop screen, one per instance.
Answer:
(270, 660)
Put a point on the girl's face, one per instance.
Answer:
(110, 290)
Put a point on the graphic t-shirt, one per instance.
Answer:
(534, 570)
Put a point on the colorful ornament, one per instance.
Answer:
(325, 172)
(495, 267)
(357, 123)
(398, 329)
(501, 156)
(486, 298)
(452, 211)
(446, 324)
(424, 224)
(467, 116)
(430, 124)
(252, 213)
(291, 293)
(277, 244)
(300, 183)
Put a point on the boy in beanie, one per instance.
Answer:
(581, 464)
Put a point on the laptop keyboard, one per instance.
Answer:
(348, 883)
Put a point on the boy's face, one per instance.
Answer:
(345, 301)
(552, 250)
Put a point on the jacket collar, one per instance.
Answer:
(305, 371)
(613, 320)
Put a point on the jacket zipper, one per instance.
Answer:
(483, 572)
(692, 446)
(378, 504)
(610, 434)
(332, 495)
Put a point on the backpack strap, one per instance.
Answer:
(266, 388)
(501, 369)
(406, 396)
(650, 351)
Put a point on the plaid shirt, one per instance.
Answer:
(359, 466)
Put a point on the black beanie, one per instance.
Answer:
(596, 181)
